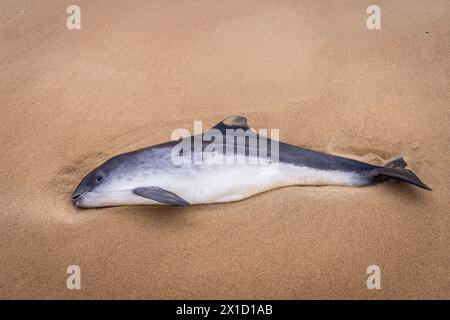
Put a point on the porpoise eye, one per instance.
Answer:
(99, 178)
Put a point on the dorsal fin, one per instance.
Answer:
(233, 122)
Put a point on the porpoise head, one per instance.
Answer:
(109, 184)
(90, 184)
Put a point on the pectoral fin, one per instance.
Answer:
(161, 195)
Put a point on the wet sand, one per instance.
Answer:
(136, 71)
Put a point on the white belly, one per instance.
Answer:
(226, 183)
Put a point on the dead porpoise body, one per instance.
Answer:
(150, 176)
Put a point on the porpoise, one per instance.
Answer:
(150, 176)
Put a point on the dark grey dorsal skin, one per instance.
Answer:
(319, 160)
(287, 153)
(149, 175)
(295, 155)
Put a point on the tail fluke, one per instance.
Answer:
(396, 169)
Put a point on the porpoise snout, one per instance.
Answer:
(81, 190)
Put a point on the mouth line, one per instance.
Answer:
(78, 197)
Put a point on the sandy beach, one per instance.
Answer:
(137, 70)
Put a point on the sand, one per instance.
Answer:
(137, 70)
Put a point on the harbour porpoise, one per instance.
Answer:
(150, 176)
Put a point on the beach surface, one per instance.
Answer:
(138, 70)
